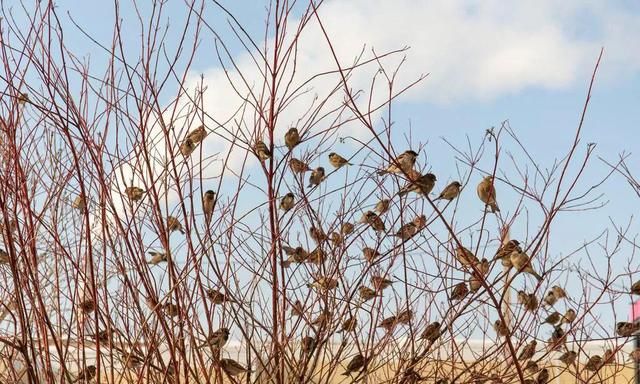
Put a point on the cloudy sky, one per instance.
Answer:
(528, 62)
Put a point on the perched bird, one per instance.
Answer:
(558, 292)
(374, 221)
(103, 336)
(292, 138)
(317, 175)
(404, 162)
(459, 291)
(388, 323)
(487, 193)
(475, 282)
(317, 234)
(298, 166)
(171, 309)
(197, 135)
(450, 192)
(134, 193)
(297, 309)
(483, 267)
(349, 325)
(608, 357)
(187, 147)
(356, 364)
(218, 297)
(297, 254)
(173, 224)
(635, 355)
(529, 300)
(407, 231)
(420, 221)
(422, 185)
(317, 256)
(507, 249)
(382, 206)
(550, 299)
(521, 263)
(337, 161)
(308, 344)
(87, 306)
(528, 351)
(262, 151)
(232, 367)
(287, 202)
(626, 329)
(23, 98)
(531, 366)
(431, 332)
(594, 363)
(466, 257)
(569, 316)
(380, 283)
(346, 228)
(323, 318)
(79, 203)
(543, 376)
(217, 339)
(336, 238)
(553, 319)
(158, 257)
(367, 293)
(635, 288)
(324, 283)
(208, 202)
(86, 375)
(405, 317)
(501, 328)
(370, 254)
(568, 358)
(4, 257)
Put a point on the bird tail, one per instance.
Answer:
(346, 373)
(382, 172)
(494, 207)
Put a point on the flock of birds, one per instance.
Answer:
(510, 254)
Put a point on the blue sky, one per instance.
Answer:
(527, 62)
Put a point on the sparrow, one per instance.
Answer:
(568, 358)
(459, 291)
(262, 151)
(173, 224)
(197, 135)
(466, 257)
(349, 325)
(217, 339)
(317, 234)
(317, 256)
(23, 98)
(487, 193)
(347, 228)
(380, 283)
(431, 332)
(404, 162)
(79, 203)
(298, 254)
(317, 175)
(366, 293)
(298, 166)
(422, 185)
(635, 288)
(287, 202)
(407, 231)
(528, 351)
(187, 147)
(594, 363)
(635, 355)
(483, 267)
(553, 319)
(232, 367)
(297, 309)
(323, 318)
(609, 357)
(507, 249)
(531, 366)
(529, 301)
(208, 201)
(134, 193)
(374, 221)
(521, 263)
(336, 239)
(550, 299)
(308, 344)
(388, 324)
(475, 282)
(103, 336)
(356, 364)
(86, 375)
(543, 376)
(171, 309)
(324, 283)
(569, 316)
(558, 292)
(158, 257)
(420, 221)
(337, 161)
(450, 192)
(500, 328)
(292, 138)
(626, 329)
(370, 254)
(218, 297)
(382, 206)
(405, 317)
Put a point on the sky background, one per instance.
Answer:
(526, 62)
